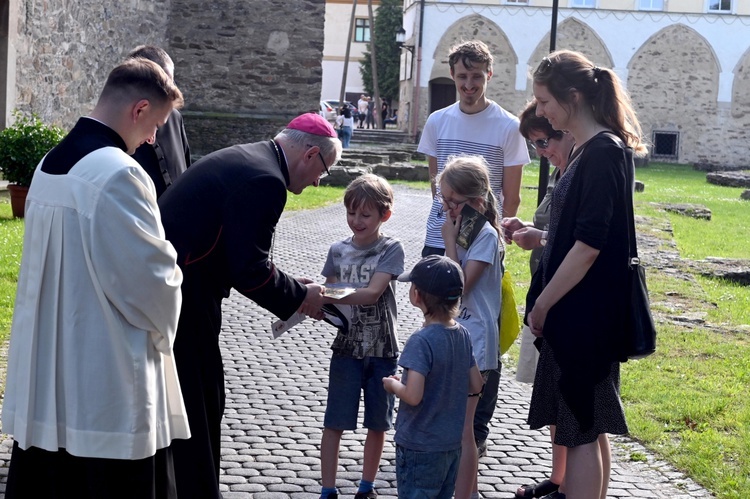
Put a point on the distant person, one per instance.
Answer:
(555, 146)
(383, 112)
(439, 373)
(465, 182)
(345, 123)
(579, 296)
(370, 118)
(224, 242)
(366, 350)
(168, 156)
(338, 124)
(473, 125)
(92, 397)
(362, 109)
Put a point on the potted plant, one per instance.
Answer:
(22, 147)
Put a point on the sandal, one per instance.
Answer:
(540, 489)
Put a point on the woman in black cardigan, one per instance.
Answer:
(578, 299)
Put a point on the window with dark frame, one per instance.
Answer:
(362, 30)
(517, 2)
(720, 6)
(666, 145)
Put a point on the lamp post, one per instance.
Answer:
(401, 38)
(544, 162)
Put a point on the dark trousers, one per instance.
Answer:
(59, 475)
(201, 371)
(487, 403)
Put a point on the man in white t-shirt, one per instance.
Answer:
(473, 125)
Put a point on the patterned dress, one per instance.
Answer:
(548, 407)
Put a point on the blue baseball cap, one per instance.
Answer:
(437, 275)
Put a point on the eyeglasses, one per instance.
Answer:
(325, 167)
(544, 143)
(450, 204)
(541, 143)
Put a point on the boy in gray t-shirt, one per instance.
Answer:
(439, 372)
(366, 346)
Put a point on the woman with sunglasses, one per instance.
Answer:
(555, 146)
(579, 296)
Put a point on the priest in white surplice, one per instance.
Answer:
(92, 397)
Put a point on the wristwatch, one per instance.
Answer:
(543, 239)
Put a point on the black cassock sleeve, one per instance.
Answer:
(250, 218)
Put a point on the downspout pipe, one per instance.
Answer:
(415, 101)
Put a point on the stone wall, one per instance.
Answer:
(572, 35)
(66, 48)
(667, 85)
(686, 74)
(246, 67)
(211, 131)
(501, 88)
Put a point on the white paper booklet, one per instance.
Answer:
(338, 293)
(280, 327)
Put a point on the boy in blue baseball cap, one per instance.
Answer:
(439, 372)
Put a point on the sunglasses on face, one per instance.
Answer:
(544, 143)
(540, 143)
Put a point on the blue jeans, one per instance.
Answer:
(347, 136)
(422, 475)
(347, 379)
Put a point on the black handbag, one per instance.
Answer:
(640, 333)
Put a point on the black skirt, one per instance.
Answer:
(549, 408)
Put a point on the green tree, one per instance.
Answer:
(388, 20)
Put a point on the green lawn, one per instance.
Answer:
(688, 402)
(724, 235)
(11, 243)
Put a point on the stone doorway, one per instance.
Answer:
(442, 93)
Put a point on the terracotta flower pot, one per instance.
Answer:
(17, 199)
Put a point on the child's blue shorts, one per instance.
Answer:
(347, 378)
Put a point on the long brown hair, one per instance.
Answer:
(564, 71)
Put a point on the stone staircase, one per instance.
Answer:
(379, 136)
(390, 160)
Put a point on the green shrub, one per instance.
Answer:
(23, 145)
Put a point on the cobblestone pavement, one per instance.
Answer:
(276, 392)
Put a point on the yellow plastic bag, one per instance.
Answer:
(508, 322)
